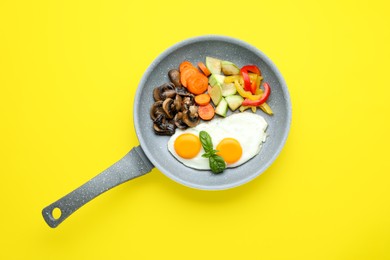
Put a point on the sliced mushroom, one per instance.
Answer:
(183, 92)
(178, 102)
(178, 120)
(166, 90)
(166, 129)
(174, 76)
(169, 107)
(156, 109)
(163, 127)
(188, 101)
(191, 117)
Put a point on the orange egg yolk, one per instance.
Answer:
(187, 146)
(230, 150)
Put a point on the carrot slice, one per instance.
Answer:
(204, 69)
(197, 83)
(202, 99)
(185, 64)
(206, 112)
(186, 74)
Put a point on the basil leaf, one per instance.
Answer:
(205, 139)
(217, 164)
(207, 155)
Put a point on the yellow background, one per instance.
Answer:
(68, 75)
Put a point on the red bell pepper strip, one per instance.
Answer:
(264, 97)
(247, 80)
(244, 72)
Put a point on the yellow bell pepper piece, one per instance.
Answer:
(266, 108)
(243, 93)
(231, 79)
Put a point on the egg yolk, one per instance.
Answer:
(187, 146)
(230, 150)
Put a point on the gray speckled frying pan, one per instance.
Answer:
(153, 151)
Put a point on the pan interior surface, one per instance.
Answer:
(195, 50)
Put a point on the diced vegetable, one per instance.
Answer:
(222, 108)
(229, 68)
(234, 101)
(216, 94)
(206, 112)
(248, 86)
(214, 65)
(264, 97)
(186, 74)
(216, 79)
(243, 108)
(228, 89)
(185, 64)
(266, 108)
(197, 83)
(202, 99)
(204, 69)
(245, 94)
(230, 79)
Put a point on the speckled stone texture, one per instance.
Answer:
(132, 165)
(195, 50)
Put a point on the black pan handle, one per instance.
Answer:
(132, 165)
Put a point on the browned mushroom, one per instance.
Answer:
(174, 76)
(183, 92)
(163, 127)
(191, 117)
(178, 102)
(166, 90)
(169, 107)
(178, 119)
(156, 109)
(188, 101)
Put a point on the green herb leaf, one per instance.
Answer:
(217, 164)
(205, 139)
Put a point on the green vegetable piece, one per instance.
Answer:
(228, 89)
(216, 79)
(216, 94)
(214, 65)
(222, 108)
(234, 101)
(229, 68)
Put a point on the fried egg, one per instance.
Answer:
(237, 138)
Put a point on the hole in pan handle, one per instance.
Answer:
(132, 165)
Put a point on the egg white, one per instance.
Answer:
(247, 128)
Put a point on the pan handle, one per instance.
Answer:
(132, 165)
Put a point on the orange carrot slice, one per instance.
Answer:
(206, 112)
(186, 74)
(204, 69)
(197, 83)
(185, 64)
(202, 99)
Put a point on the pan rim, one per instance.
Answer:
(162, 56)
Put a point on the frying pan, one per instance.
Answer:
(153, 151)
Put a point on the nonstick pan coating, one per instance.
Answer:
(195, 50)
